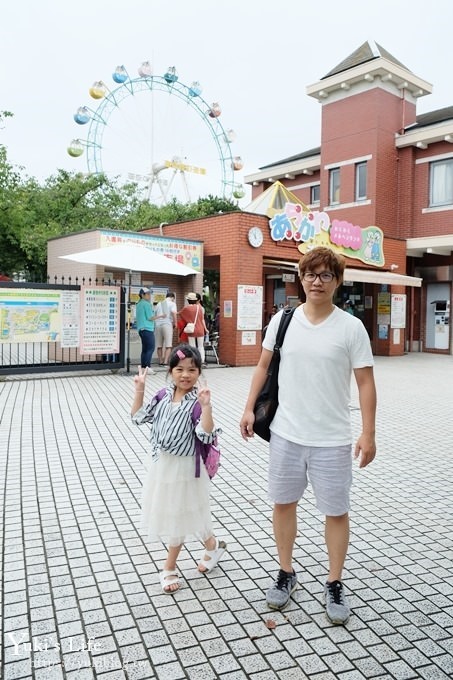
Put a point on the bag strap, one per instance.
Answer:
(199, 446)
(196, 408)
(161, 394)
(283, 327)
(195, 415)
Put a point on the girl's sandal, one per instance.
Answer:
(211, 557)
(169, 578)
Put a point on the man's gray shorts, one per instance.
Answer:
(164, 335)
(329, 471)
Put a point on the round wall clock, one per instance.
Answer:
(255, 237)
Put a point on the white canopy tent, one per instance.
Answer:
(131, 258)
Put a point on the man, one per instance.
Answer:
(145, 317)
(311, 430)
(164, 328)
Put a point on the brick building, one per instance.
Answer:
(381, 172)
(381, 164)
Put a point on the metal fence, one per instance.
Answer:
(40, 357)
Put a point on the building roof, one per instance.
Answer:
(433, 117)
(367, 52)
(368, 64)
(304, 154)
(423, 120)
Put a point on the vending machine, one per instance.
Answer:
(441, 323)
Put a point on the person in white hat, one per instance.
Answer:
(195, 328)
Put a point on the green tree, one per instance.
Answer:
(3, 116)
(10, 185)
(32, 213)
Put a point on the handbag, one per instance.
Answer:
(189, 328)
(209, 454)
(267, 401)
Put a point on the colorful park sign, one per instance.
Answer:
(182, 250)
(313, 228)
(29, 315)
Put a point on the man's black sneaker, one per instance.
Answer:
(279, 593)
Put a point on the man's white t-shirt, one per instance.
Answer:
(314, 378)
(166, 307)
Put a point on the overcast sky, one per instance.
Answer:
(254, 57)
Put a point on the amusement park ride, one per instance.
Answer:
(161, 134)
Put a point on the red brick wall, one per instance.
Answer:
(303, 193)
(405, 186)
(432, 223)
(360, 125)
(347, 121)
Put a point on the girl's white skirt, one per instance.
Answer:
(175, 504)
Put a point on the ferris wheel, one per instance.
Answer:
(160, 134)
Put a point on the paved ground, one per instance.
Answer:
(80, 596)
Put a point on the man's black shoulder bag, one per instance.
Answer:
(267, 401)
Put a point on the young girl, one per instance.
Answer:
(175, 503)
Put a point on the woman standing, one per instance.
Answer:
(193, 313)
(145, 317)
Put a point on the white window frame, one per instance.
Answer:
(441, 183)
(334, 186)
(361, 191)
(313, 200)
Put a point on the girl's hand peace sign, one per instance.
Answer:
(140, 378)
(204, 393)
(204, 396)
(139, 383)
(204, 399)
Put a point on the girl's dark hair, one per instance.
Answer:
(188, 351)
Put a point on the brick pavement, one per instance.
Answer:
(80, 593)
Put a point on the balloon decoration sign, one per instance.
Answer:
(313, 228)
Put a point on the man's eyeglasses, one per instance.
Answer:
(325, 277)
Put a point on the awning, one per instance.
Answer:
(281, 264)
(437, 245)
(389, 278)
(359, 275)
